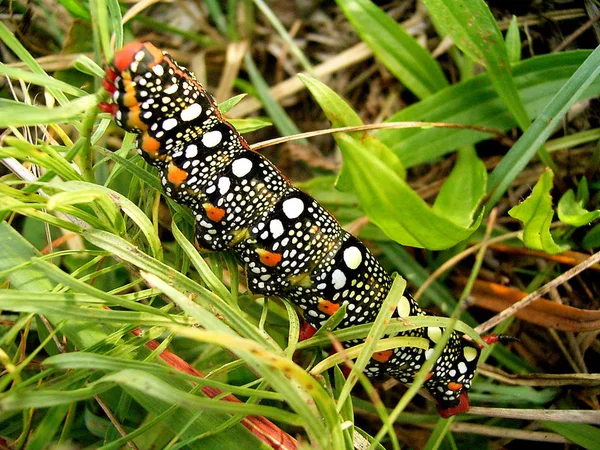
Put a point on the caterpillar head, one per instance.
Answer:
(160, 101)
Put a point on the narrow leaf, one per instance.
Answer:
(513, 41)
(474, 30)
(395, 48)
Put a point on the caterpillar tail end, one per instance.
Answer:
(461, 407)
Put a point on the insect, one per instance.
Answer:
(288, 243)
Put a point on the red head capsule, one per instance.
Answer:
(126, 55)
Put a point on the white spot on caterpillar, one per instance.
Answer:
(403, 307)
(470, 353)
(224, 184)
(352, 257)
(212, 138)
(191, 112)
(428, 353)
(171, 89)
(169, 124)
(241, 167)
(434, 333)
(158, 70)
(139, 55)
(293, 207)
(276, 228)
(338, 278)
(191, 151)
(462, 367)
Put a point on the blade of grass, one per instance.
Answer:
(412, 64)
(526, 147)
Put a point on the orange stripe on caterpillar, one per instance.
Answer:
(150, 145)
(133, 119)
(383, 356)
(328, 307)
(213, 213)
(176, 175)
(268, 258)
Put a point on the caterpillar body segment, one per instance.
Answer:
(289, 245)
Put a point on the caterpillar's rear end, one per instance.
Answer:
(289, 245)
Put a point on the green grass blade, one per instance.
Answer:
(581, 434)
(15, 114)
(40, 80)
(280, 119)
(513, 42)
(12, 43)
(526, 147)
(474, 30)
(395, 48)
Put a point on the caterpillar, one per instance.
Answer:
(288, 243)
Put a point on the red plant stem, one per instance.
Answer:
(263, 429)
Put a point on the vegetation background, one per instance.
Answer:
(115, 333)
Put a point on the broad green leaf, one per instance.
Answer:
(513, 41)
(340, 114)
(538, 79)
(572, 212)
(463, 191)
(474, 30)
(536, 214)
(394, 207)
(395, 48)
(583, 192)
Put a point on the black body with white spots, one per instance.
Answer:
(289, 245)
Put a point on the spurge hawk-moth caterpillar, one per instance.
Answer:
(289, 245)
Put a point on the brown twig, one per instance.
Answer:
(508, 312)
(375, 126)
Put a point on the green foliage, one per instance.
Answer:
(401, 54)
(536, 214)
(571, 210)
